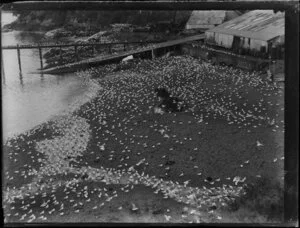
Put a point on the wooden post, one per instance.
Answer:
(19, 59)
(2, 68)
(124, 47)
(60, 53)
(93, 50)
(41, 57)
(76, 53)
(153, 53)
(42, 77)
(21, 79)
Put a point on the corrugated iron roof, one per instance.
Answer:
(205, 19)
(258, 24)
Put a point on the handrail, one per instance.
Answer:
(29, 46)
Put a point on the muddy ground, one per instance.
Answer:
(116, 160)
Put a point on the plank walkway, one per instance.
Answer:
(96, 61)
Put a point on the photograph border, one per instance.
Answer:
(291, 98)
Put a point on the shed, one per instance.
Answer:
(204, 20)
(255, 31)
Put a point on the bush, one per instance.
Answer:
(97, 19)
(263, 198)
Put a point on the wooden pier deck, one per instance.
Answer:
(96, 61)
(75, 45)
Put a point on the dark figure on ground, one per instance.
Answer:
(168, 103)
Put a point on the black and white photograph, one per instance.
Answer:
(150, 112)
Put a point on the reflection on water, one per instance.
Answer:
(29, 99)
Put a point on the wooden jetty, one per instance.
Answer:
(75, 45)
(152, 50)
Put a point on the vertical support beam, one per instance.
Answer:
(41, 57)
(60, 54)
(291, 164)
(19, 59)
(76, 52)
(109, 48)
(93, 50)
(21, 79)
(153, 53)
(42, 77)
(2, 67)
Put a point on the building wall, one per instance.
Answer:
(245, 42)
(226, 40)
(223, 40)
(209, 35)
(218, 57)
(257, 44)
(279, 40)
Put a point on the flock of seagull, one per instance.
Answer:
(117, 112)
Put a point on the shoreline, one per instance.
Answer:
(70, 110)
(13, 135)
(67, 38)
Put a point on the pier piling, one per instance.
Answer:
(93, 50)
(2, 68)
(41, 57)
(76, 52)
(153, 53)
(21, 79)
(19, 59)
(60, 53)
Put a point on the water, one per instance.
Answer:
(31, 99)
(7, 18)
